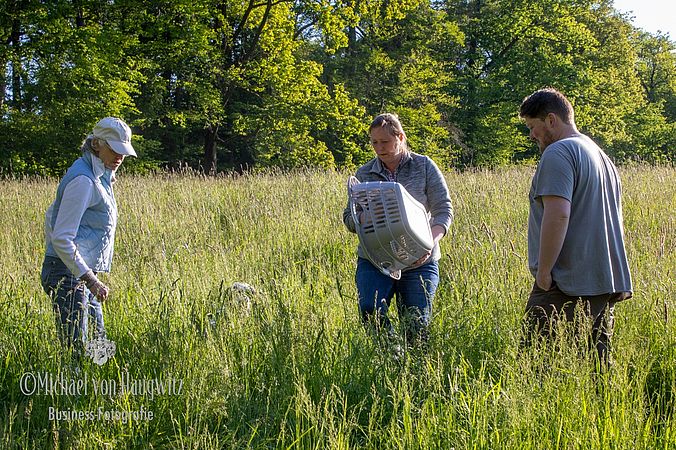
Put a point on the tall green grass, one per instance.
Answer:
(297, 370)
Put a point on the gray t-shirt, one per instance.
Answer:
(593, 260)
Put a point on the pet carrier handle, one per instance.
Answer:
(351, 182)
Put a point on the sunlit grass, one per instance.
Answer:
(297, 370)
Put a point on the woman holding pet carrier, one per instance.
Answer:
(80, 233)
(421, 177)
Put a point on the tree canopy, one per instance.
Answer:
(223, 84)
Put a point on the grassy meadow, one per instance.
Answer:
(296, 369)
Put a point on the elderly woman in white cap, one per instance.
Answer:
(80, 232)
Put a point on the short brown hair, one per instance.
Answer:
(545, 101)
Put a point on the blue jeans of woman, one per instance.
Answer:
(72, 303)
(414, 291)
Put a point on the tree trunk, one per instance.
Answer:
(3, 83)
(15, 42)
(210, 154)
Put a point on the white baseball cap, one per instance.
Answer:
(116, 133)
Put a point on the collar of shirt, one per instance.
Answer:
(99, 169)
(379, 167)
(98, 166)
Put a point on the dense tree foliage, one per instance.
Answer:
(223, 84)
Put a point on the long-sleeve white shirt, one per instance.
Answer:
(77, 197)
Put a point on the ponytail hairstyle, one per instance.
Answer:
(91, 144)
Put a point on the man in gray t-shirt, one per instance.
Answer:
(575, 234)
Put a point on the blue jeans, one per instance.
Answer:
(70, 299)
(415, 291)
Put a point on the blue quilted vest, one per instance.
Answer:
(96, 233)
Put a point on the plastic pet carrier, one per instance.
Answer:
(395, 231)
